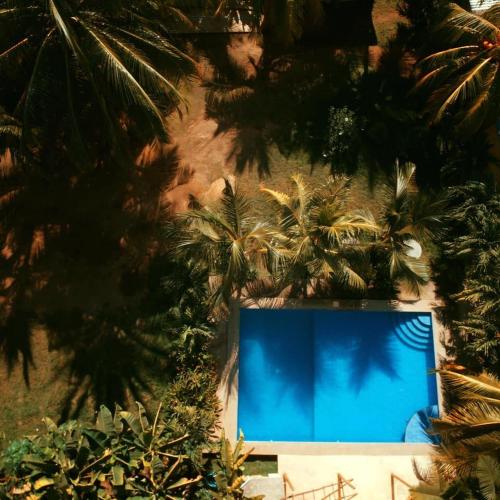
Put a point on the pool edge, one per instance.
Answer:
(228, 388)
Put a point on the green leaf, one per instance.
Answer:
(105, 421)
(43, 482)
(184, 482)
(51, 426)
(132, 421)
(118, 475)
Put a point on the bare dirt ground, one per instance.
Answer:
(205, 156)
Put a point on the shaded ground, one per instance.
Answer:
(23, 407)
(207, 155)
(205, 158)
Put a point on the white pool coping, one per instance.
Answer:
(228, 388)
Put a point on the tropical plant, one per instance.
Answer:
(471, 424)
(318, 236)
(343, 137)
(470, 244)
(229, 470)
(191, 405)
(281, 21)
(467, 464)
(463, 77)
(122, 456)
(285, 21)
(228, 241)
(433, 485)
(67, 65)
(409, 220)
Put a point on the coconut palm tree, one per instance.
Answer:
(408, 221)
(235, 247)
(88, 69)
(280, 21)
(463, 78)
(318, 236)
(469, 454)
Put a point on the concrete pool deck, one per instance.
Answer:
(313, 464)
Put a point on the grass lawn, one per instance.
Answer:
(23, 406)
(261, 466)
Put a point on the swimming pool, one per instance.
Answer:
(333, 376)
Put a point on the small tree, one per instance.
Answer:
(228, 241)
(318, 235)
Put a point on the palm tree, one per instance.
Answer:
(280, 21)
(471, 244)
(408, 221)
(319, 236)
(226, 239)
(89, 69)
(463, 78)
(470, 432)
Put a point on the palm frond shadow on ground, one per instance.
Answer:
(276, 104)
(82, 250)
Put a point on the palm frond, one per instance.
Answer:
(474, 115)
(122, 79)
(33, 85)
(461, 24)
(12, 130)
(343, 274)
(492, 15)
(488, 475)
(429, 78)
(282, 198)
(467, 88)
(404, 175)
(470, 387)
(413, 272)
(444, 56)
(141, 65)
(14, 47)
(62, 26)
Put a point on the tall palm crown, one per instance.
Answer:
(229, 241)
(319, 235)
(78, 62)
(463, 78)
(470, 430)
(408, 221)
(281, 21)
(467, 462)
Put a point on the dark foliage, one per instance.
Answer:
(471, 248)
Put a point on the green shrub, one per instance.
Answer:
(343, 138)
(191, 405)
(122, 456)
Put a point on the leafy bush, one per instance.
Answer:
(191, 405)
(470, 247)
(121, 456)
(125, 456)
(343, 138)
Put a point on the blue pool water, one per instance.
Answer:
(324, 375)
